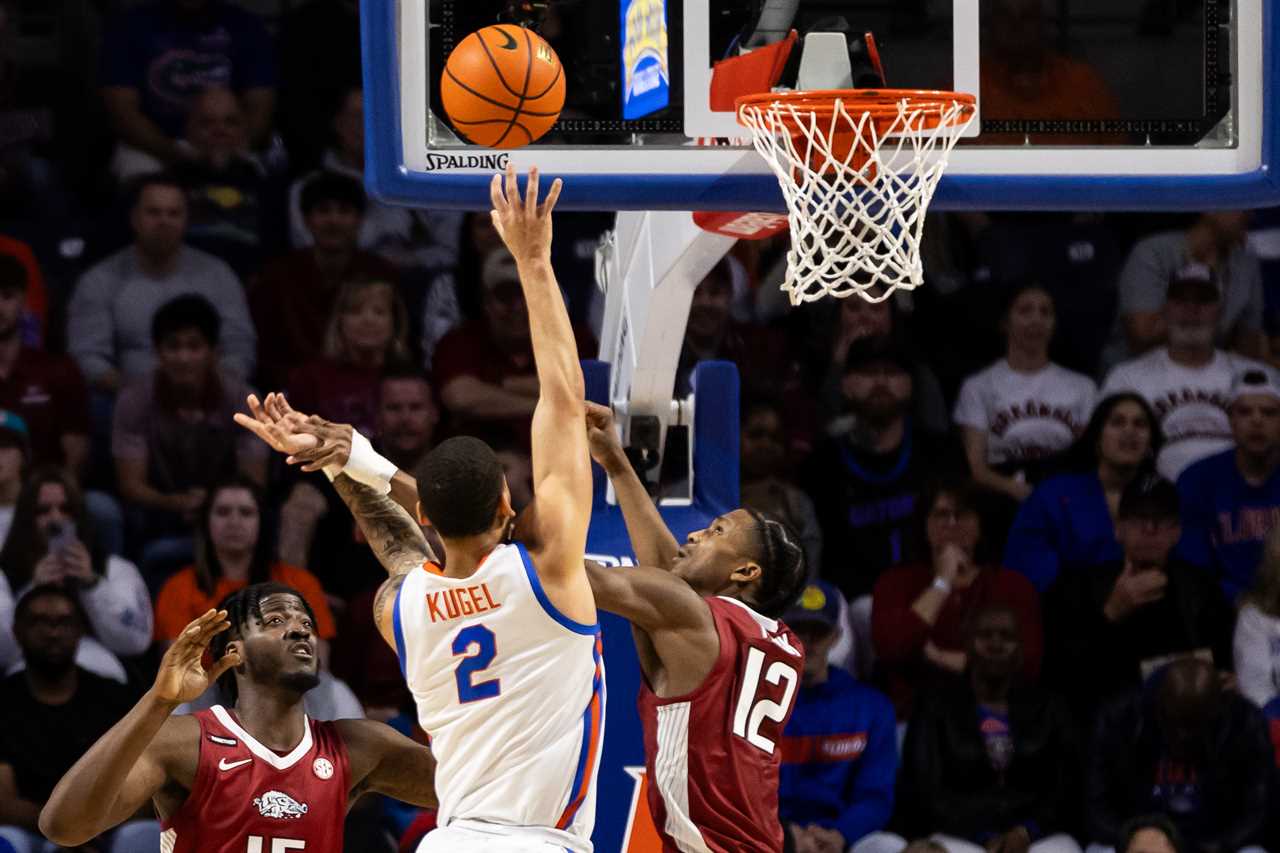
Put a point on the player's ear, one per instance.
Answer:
(747, 573)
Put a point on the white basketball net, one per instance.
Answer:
(856, 216)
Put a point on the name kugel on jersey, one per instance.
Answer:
(447, 604)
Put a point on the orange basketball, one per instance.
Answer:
(502, 87)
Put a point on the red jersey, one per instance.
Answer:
(712, 755)
(249, 799)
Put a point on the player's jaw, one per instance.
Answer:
(711, 558)
(281, 649)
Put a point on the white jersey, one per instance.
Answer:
(1190, 402)
(1026, 416)
(511, 693)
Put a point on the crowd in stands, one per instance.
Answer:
(1038, 497)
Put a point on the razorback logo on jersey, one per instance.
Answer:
(275, 804)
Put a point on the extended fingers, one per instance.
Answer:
(226, 662)
(553, 195)
(512, 186)
(495, 194)
(531, 193)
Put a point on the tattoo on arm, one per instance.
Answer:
(396, 539)
(386, 596)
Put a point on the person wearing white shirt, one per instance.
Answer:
(1257, 640)
(1187, 381)
(51, 542)
(1023, 408)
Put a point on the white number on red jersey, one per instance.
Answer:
(752, 710)
(278, 845)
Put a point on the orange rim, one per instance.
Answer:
(880, 104)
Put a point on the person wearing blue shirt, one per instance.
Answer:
(1231, 500)
(158, 56)
(839, 750)
(1069, 520)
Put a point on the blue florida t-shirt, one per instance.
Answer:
(1225, 520)
(170, 56)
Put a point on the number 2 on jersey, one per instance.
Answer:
(474, 662)
(751, 712)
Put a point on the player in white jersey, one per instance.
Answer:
(500, 647)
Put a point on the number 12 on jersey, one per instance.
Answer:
(751, 710)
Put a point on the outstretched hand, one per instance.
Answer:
(523, 224)
(182, 676)
(307, 440)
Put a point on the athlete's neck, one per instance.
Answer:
(462, 557)
(274, 716)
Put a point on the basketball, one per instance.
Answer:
(502, 87)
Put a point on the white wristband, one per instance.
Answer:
(367, 466)
(942, 584)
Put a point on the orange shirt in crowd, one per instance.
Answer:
(180, 599)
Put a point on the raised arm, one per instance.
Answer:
(561, 462)
(650, 538)
(386, 762)
(139, 754)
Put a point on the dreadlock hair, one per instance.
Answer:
(459, 486)
(782, 564)
(241, 606)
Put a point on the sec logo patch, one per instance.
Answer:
(323, 768)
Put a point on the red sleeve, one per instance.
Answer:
(897, 633)
(455, 356)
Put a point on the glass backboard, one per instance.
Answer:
(1120, 104)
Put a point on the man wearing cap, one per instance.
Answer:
(866, 482)
(1213, 247)
(1110, 626)
(1231, 500)
(46, 392)
(839, 750)
(484, 368)
(1188, 381)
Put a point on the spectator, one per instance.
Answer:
(712, 333)
(484, 368)
(404, 237)
(989, 761)
(1214, 249)
(866, 483)
(1231, 500)
(50, 713)
(764, 467)
(367, 332)
(363, 660)
(227, 188)
(1271, 711)
(233, 550)
(174, 436)
(35, 311)
(14, 441)
(1023, 410)
(1184, 748)
(45, 391)
(919, 611)
(160, 55)
(51, 542)
(1111, 625)
(839, 749)
(109, 317)
(1151, 834)
(295, 294)
(1257, 639)
(1187, 381)
(407, 416)
(852, 320)
(1069, 520)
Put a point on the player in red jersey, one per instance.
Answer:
(257, 778)
(720, 671)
